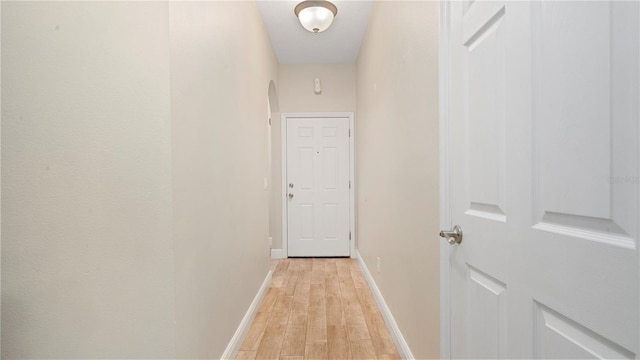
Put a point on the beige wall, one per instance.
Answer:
(87, 260)
(397, 174)
(133, 156)
(221, 65)
(296, 94)
(338, 87)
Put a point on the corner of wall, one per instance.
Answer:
(231, 352)
(392, 326)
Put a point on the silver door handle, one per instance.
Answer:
(454, 236)
(290, 196)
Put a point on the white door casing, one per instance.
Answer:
(542, 132)
(318, 164)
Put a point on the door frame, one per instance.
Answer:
(283, 140)
(445, 191)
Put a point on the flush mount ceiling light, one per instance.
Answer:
(316, 16)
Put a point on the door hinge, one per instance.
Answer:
(349, 132)
(349, 184)
(269, 121)
(349, 235)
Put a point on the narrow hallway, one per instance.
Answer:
(318, 309)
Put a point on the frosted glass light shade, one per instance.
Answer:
(316, 16)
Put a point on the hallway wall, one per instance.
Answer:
(221, 65)
(296, 95)
(338, 87)
(398, 165)
(133, 157)
(87, 259)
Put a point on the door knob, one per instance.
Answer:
(453, 236)
(290, 196)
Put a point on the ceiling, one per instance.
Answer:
(295, 45)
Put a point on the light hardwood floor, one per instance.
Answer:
(318, 309)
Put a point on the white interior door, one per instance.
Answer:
(544, 157)
(318, 186)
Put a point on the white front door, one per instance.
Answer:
(317, 186)
(544, 156)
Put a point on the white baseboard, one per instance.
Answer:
(277, 254)
(236, 341)
(401, 344)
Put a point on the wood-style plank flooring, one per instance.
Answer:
(318, 309)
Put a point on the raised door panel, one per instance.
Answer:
(586, 120)
(582, 252)
(306, 168)
(484, 71)
(558, 337)
(487, 331)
